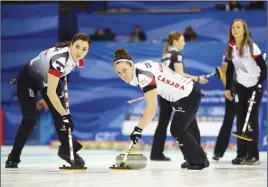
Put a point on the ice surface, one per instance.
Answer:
(39, 168)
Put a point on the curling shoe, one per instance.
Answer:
(11, 162)
(198, 166)
(184, 165)
(252, 161)
(239, 161)
(216, 157)
(160, 158)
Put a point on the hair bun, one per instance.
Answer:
(121, 53)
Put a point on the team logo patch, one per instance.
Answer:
(179, 57)
(236, 98)
(178, 109)
(144, 80)
(63, 128)
(31, 92)
(58, 66)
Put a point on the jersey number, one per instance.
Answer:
(148, 65)
(56, 49)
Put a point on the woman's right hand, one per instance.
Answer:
(228, 95)
(203, 80)
(41, 104)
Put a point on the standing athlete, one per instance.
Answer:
(246, 71)
(229, 115)
(173, 58)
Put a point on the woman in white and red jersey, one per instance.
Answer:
(246, 72)
(43, 74)
(157, 79)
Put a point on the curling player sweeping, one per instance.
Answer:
(185, 96)
(44, 73)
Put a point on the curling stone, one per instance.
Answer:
(134, 160)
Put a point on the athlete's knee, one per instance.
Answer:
(177, 133)
(28, 124)
(57, 120)
(65, 145)
(29, 120)
(180, 138)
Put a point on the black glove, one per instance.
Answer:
(136, 135)
(67, 122)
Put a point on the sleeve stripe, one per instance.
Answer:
(152, 82)
(58, 56)
(255, 56)
(54, 72)
(59, 63)
(148, 88)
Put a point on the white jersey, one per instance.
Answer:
(246, 70)
(57, 61)
(169, 84)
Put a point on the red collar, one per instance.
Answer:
(232, 43)
(80, 64)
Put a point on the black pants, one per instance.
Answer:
(27, 88)
(225, 131)
(185, 112)
(161, 130)
(242, 97)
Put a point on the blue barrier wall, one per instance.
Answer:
(208, 25)
(97, 96)
(168, 5)
(29, 20)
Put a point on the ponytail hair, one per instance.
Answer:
(171, 37)
(165, 48)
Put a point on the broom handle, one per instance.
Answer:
(251, 101)
(126, 154)
(135, 100)
(66, 99)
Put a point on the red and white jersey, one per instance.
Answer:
(169, 84)
(246, 69)
(56, 61)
